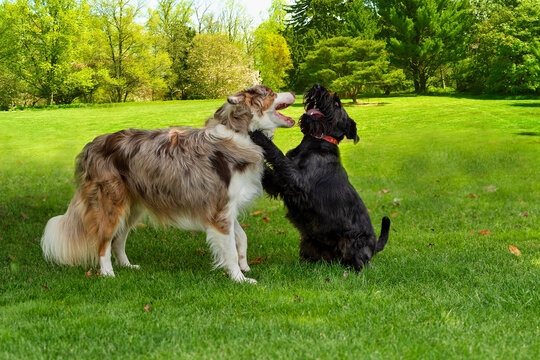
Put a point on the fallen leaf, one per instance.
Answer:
(147, 306)
(244, 225)
(525, 214)
(298, 298)
(471, 232)
(89, 273)
(393, 229)
(266, 219)
(327, 279)
(472, 196)
(258, 260)
(484, 232)
(202, 251)
(24, 216)
(415, 250)
(394, 214)
(259, 212)
(45, 287)
(383, 191)
(490, 188)
(141, 225)
(396, 202)
(514, 250)
(368, 210)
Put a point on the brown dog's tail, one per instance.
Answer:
(65, 240)
(383, 238)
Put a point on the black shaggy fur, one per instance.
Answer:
(322, 204)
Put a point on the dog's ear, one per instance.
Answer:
(314, 125)
(337, 101)
(236, 99)
(352, 132)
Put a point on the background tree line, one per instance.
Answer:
(60, 51)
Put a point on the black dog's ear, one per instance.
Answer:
(337, 101)
(352, 132)
(314, 125)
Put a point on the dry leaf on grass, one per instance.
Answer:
(266, 219)
(202, 251)
(394, 214)
(244, 225)
(45, 287)
(24, 216)
(258, 212)
(525, 214)
(484, 232)
(383, 191)
(89, 273)
(298, 298)
(258, 260)
(141, 225)
(514, 250)
(472, 196)
(147, 306)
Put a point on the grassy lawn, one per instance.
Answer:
(453, 167)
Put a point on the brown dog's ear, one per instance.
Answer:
(235, 99)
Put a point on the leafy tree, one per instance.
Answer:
(270, 51)
(351, 66)
(170, 33)
(217, 68)
(423, 35)
(309, 22)
(504, 52)
(361, 20)
(42, 51)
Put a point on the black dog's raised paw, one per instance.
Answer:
(259, 138)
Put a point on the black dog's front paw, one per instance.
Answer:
(259, 138)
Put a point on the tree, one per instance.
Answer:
(350, 66)
(270, 50)
(361, 20)
(504, 52)
(309, 22)
(217, 68)
(423, 35)
(42, 52)
(170, 32)
(124, 38)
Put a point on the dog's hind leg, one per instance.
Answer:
(221, 239)
(241, 246)
(119, 240)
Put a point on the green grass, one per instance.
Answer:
(466, 296)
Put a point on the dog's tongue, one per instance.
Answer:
(314, 112)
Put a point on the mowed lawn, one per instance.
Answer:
(459, 177)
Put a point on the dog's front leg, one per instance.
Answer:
(223, 246)
(241, 246)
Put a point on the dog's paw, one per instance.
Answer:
(245, 268)
(107, 273)
(241, 278)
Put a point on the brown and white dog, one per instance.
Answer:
(196, 179)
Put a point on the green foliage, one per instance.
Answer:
(504, 53)
(361, 20)
(270, 49)
(311, 21)
(424, 35)
(217, 68)
(351, 66)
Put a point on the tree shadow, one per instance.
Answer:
(528, 133)
(526, 104)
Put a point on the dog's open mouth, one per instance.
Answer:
(315, 112)
(287, 119)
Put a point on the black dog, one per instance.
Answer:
(322, 204)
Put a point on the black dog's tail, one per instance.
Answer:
(383, 238)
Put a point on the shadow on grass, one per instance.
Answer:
(528, 133)
(526, 104)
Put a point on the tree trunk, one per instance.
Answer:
(442, 79)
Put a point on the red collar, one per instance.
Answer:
(327, 138)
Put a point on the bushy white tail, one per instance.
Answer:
(65, 240)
